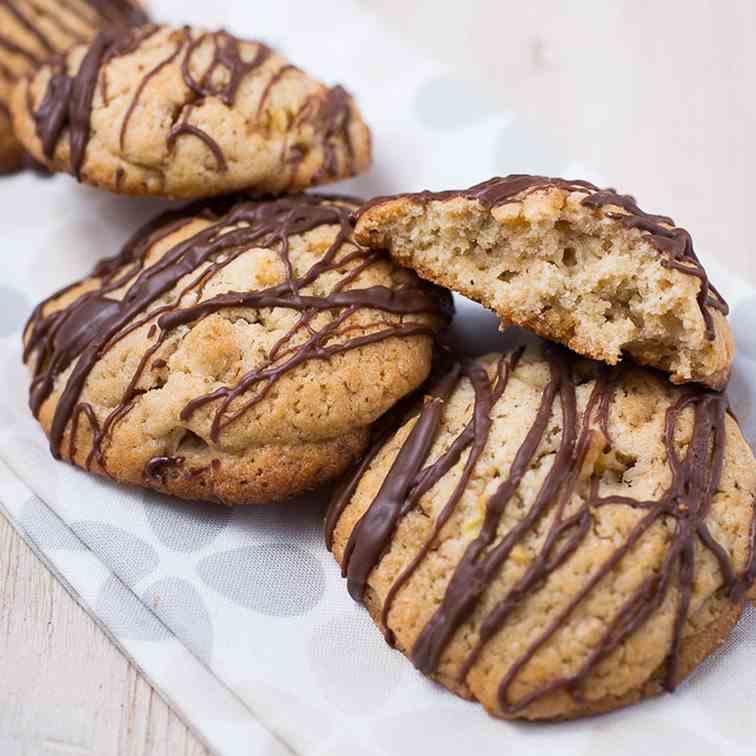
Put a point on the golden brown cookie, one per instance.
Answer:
(582, 266)
(33, 30)
(186, 113)
(235, 351)
(11, 151)
(550, 536)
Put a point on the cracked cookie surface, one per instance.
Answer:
(180, 112)
(550, 536)
(236, 350)
(573, 263)
(33, 30)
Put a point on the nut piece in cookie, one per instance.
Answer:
(551, 536)
(33, 30)
(178, 112)
(235, 351)
(575, 264)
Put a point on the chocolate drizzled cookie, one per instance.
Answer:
(552, 536)
(197, 114)
(236, 350)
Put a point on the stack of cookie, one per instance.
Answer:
(552, 530)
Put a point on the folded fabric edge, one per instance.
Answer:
(6, 473)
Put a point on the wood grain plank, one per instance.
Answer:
(65, 689)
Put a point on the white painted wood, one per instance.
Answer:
(65, 689)
(656, 96)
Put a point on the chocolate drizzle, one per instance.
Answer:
(675, 244)
(155, 469)
(118, 12)
(102, 14)
(683, 507)
(67, 103)
(226, 55)
(183, 36)
(78, 335)
(335, 115)
(183, 128)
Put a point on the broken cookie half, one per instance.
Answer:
(578, 265)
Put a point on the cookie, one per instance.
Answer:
(234, 351)
(33, 30)
(11, 151)
(550, 536)
(579, 265)
(179, 112)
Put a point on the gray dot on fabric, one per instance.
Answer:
(45, 528)
(129, 557)
(521, 148)
(184, 525)
(277, 579)
(14, 311)
(742, 320)
(349, 646)
(180, 607)
(125, 615)
(446, 103)
(301, 519)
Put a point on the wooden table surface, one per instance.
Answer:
(657, 97)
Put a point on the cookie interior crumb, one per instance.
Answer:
(566, 271)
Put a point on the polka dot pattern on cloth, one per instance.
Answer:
(277, 579)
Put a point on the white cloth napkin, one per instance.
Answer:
(240, 619)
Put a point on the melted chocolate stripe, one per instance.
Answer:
(28, 25)
(11, 47)
(145, 81)
(81, 97)
(381, 431)
(67, 103)
(183, 128)
(373, 532)
(227, 55)
(397, 301)
(106, 13)
(120, 12)
(335, 114)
